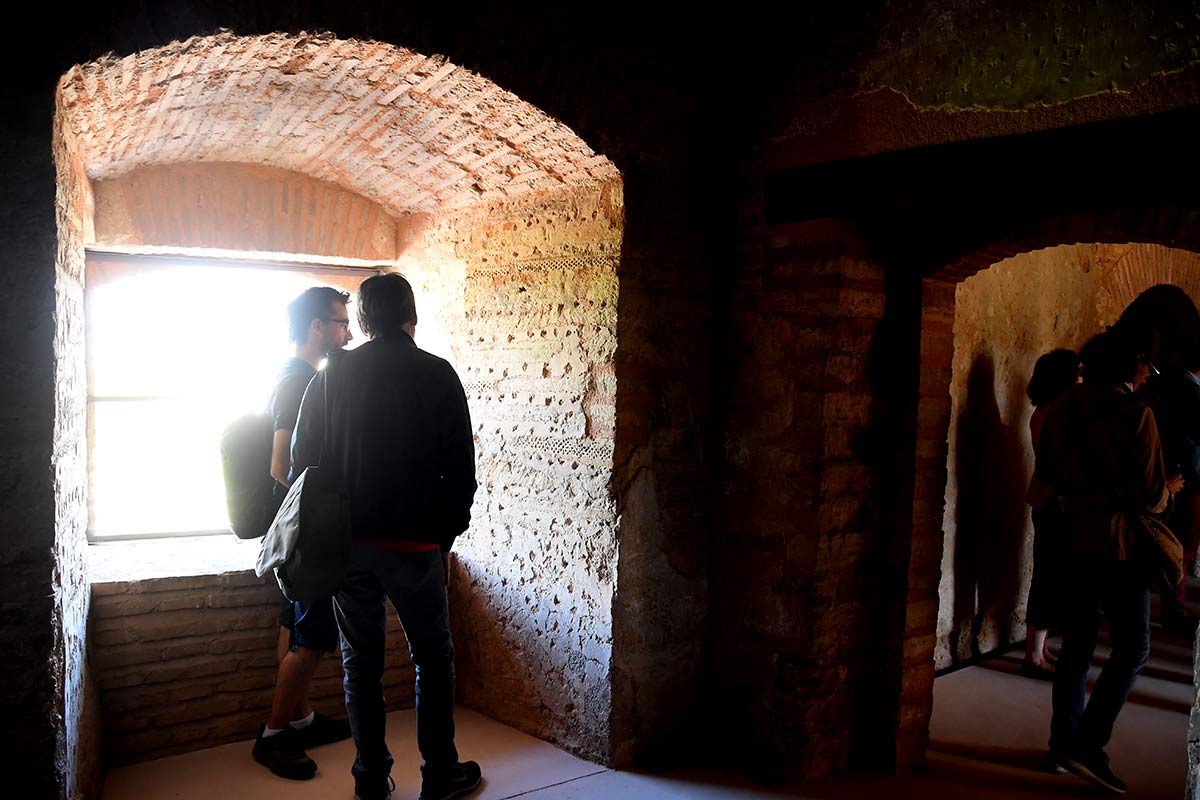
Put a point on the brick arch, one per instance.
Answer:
(1129, 270)
(1167, 225)
(1157, 244)
(414, 133)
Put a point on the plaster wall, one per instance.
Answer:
(239, 207)
(1005, 318)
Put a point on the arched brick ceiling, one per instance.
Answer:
(415, 133)
(1129, 269)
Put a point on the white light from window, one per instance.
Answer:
(175, 355)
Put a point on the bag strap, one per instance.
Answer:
(325, 405)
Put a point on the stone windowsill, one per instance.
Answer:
(147, 559)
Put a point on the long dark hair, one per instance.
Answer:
(386, 305)
(1053, 374)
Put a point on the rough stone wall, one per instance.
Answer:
(1004, 318)
(796, 577)
(533, 337)
(240, 207)
(188, 663)
(921, 73)
(29, 624)
(79, 732)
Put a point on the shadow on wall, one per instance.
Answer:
(991, 475)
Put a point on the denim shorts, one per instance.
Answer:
(311, 625)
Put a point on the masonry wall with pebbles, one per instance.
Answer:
(522, 296)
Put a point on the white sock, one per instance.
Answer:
(301, 724)
(268, 732)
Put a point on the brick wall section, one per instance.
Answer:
(797, 569)
(929, 490)
(413, 132)
(524, 295)
(188, 663)
(240, 207)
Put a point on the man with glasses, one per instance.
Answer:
(319, 324)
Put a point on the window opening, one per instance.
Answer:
(177, 348)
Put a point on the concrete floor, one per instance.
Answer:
(988, 741)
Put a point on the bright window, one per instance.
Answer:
(175, 352)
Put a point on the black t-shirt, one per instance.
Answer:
(284, 407)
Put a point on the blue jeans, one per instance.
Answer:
(1122, 589)
(416, 586)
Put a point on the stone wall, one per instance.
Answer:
(79, 734)
(1004, 318)
(31, 614)
(240, 207)
(188, 663)
(919, 74)
(797, 574)
(524, 297)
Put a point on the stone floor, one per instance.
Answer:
(988, 735)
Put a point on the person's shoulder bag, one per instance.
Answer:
(308, 543)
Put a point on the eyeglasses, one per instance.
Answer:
(336, 321)
(1144, 359)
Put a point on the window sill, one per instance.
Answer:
(147, 559)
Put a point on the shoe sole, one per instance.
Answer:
(1079, 769)
(457, 792)
(305, 776)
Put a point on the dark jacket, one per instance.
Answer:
(400, 442)
(1100, 452)
(1178, 414)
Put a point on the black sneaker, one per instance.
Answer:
(367, 789)
(1093, 766)
(461, 779)
(283, 755)
(322, 730)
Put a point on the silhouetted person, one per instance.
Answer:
(1100, 452)
(1178, 414)
(1053, 374)
(318, 325)
(401, 448)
